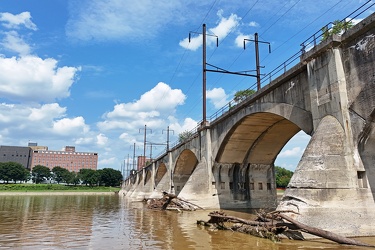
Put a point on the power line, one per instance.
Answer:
(282, 16)
(290, 38)
(221, 41)
(186, 50)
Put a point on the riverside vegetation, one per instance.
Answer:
(25, 187)
(15, 172)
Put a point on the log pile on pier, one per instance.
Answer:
(171, 202)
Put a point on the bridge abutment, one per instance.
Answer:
(328, 189)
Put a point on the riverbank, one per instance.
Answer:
(55, 189)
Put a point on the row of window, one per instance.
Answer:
(16, 155)
(62, 153)
(64, 156)
(241, 185)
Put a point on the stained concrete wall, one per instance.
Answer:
(334, 179)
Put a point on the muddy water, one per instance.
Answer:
(111, 222)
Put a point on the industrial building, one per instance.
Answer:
(20, 155)
(68, 158)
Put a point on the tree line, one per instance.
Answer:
(282, 177)
(15, 172)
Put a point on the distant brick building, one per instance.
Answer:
(69, 159)
(20, 155)
(142, 161)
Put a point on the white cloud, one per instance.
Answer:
(101, 139)
(240, 39)
(108, 162)
(194, 44)
(116, 20)
(47, 81)
(217, 97)
(70, 126)
(46, 111)
(188, 125)
(149, 109)
(84, 141)
(11, 21)
(42, 123)
(11, 115)
(294, 152)
(224, 27)
(14, 42)
(253, 24)
(354, 21)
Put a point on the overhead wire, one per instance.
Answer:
(222, 40)
(290, 37)
(184, 54)
(282, 16)
(297, 33)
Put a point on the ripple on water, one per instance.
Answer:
(110, 222)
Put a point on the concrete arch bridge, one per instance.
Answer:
(229, 162)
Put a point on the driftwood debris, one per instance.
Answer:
(271, 226)
(323, 233)
(171, 202)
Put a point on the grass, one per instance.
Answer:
(280, 191)
(54, 188)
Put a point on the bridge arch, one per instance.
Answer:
(256, 138)
(160, 172)
(140, 177)
(133, 179)
(366, 145)
(185, 165)
(148, 173)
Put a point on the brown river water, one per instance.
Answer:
(113, 222)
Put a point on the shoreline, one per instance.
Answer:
(49, 193)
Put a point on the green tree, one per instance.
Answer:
(282, 176)
(13, 171)
(40, 173)
(338, 27)
(60, 174)
(4, 174)
(17, 171)
(110, 177)
(88, 176)
(241, 95)
(183, 136)
(72, 178)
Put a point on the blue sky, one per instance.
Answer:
(93, 73)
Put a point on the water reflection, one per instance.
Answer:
(111, 222)
(25, 220)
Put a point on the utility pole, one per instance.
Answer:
(122, 169)
(144, 142)
(204, 74)
(168, 130)
(204, 70)
(256, 41)
(127, 167)
(133, 156)
(220, 70)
